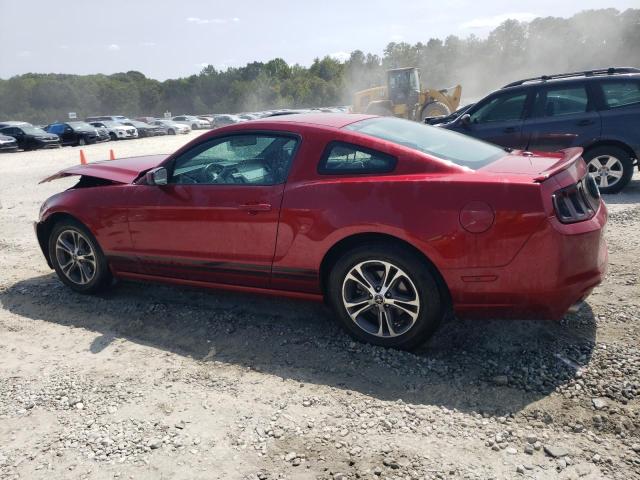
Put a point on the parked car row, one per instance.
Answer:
(28, 137)
(17, 135)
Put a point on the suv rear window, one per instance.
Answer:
(619, 93)
(558, 101)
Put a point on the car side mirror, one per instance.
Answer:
(465, 120)
(157, 176)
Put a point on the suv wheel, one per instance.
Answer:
(77, 257)
(611, 167)
(385, 295)
(81, 141)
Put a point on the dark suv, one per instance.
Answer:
(74, 133)
(598, 110)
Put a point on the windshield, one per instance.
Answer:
(33, 131)
(439, 142)
(111, 123)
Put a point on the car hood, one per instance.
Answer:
(124, 170)
(539, 165)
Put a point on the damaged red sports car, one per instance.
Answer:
(393, 223)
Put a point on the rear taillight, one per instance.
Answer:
(592, 191)
(577, 202)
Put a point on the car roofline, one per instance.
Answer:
(333, 120)
(585, 74)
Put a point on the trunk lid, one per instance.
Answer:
(538, 166)
(123, 170)
(568, 192)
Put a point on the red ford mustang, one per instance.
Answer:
(393, 223)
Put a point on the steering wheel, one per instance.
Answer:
(213, 173)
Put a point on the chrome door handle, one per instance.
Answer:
(256, 207)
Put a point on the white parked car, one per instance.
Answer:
(101, 118)
(170, 127)
(117, 131)
(192, 121)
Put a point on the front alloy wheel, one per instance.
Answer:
(77, 258)
(380, 298)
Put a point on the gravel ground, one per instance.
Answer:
(153, 382)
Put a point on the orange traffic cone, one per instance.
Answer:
(112, 156)
(83, 159)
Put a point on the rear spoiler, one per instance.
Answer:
(570, 156)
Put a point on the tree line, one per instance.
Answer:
(513, 50)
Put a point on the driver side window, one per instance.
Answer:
(248, 159)
(501, 108)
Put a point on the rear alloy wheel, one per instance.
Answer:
(77, 258)
(386, 296)
(610, 167)
(386, 311)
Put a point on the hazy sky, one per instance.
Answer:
(166, 39)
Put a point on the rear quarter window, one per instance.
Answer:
(561, 100)
(620, 93)
(341, 158)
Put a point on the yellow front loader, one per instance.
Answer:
(404, 97)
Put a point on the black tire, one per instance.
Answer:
(81, 142)
(194, 126)
(113, 136)
(434, 109)
(598, 155)
(430, 311)
(101, 274)
(172, 131)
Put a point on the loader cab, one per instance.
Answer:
(404, 86)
